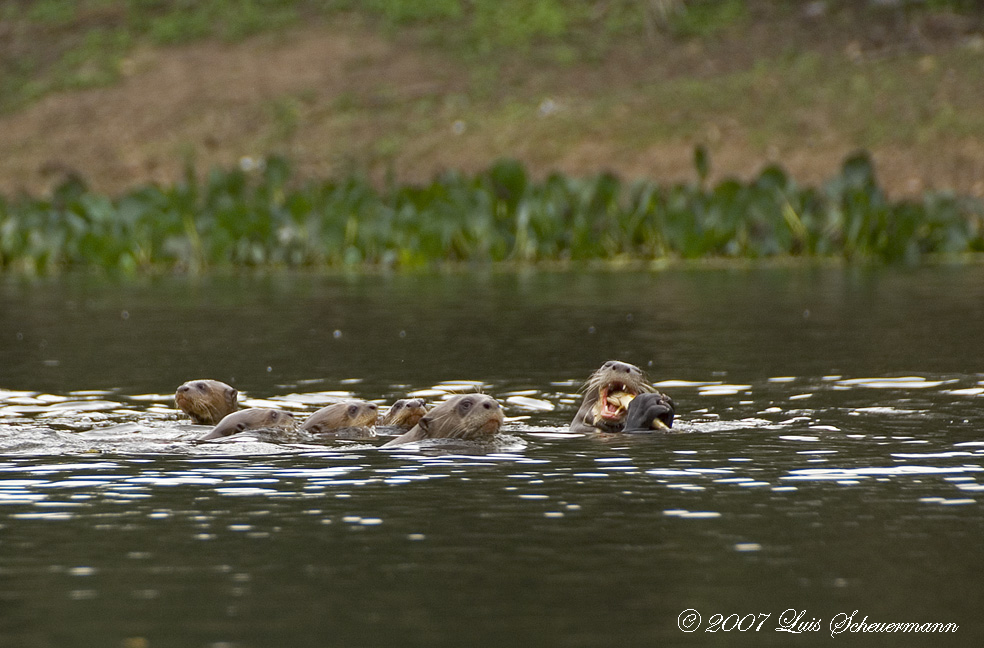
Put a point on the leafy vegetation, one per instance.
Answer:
(255, 216)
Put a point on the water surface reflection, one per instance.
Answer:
(828, 459)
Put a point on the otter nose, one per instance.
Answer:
(621, 366)
(183, 388)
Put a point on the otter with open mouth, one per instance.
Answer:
(619, 398)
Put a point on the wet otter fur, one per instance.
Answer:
(277, 421)
(615, 391)
(206, 401)
(404, 413)
(350, 420)
(468, 417)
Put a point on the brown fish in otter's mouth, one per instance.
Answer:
(614, 401)
(608, 395)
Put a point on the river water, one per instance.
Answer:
(828, 462)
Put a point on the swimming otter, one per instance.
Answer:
(252, 419)
(405, 413)
(611, 395)
(470, 417)
(206, 401)
(351, 419)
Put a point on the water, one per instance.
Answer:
(830, 458)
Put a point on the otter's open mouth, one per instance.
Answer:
(614, 400)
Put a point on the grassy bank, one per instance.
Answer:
(350, 90)
(70, 44)
(52, 45)
(260, 217)
(124, 91)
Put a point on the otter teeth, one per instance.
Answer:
(619, 399)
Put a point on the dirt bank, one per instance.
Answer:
(339, 96)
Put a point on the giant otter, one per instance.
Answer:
(469, 417)
(404, 413)
(351, 419)
(206, 401)
(618, 398)
(253, 419)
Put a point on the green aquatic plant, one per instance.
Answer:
(259, 215)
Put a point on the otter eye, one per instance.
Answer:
(372, 407)
(240, 427)
(487, 405)
(274, 416)
(200, 385)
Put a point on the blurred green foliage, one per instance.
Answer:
(261, 217)
(703, 18)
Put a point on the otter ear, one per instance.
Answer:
(424, 425)
(233, 395)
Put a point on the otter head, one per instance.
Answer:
(405, 413)
(340, 416)
(206, 401)
(252, 419)
(607, 395)
(361, 414)
(470, 417)
(474, 417)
